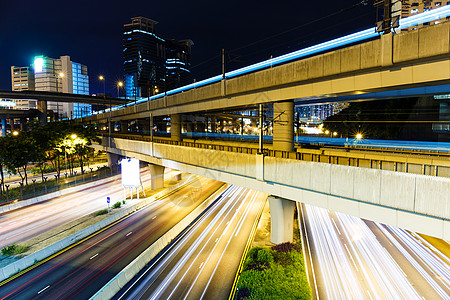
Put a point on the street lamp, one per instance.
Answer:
(359, 136)
(119, 85)
(104, 85)
(15, 133)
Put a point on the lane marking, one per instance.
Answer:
(129, 233)
(201, 265)
(43, 289)
(93, 256)
(335, 226)
(349, 254)
(216, 240)
(154, 218)
(369, 295)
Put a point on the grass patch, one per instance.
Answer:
(14, 249)
(274, 273)
(101, 212)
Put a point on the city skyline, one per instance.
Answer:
(94, 36)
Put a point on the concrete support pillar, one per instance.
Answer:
(144, 126)
(11, 124)
(157, 176)
(3, 127)
(213, 124)
(42, 107)
(175, 127)
(282, 220)
(283, 126)
(23, 124)
(113, 160)
(123, 126)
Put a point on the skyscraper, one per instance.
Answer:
(153, 64)
(61, 75)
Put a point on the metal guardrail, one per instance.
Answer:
(425, 163)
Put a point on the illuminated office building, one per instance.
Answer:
(62, 75)
(151, 63)
(22, 79)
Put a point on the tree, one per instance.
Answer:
(20, 151)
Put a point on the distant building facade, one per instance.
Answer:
(151, 63)
(22, 79)
(64, 76)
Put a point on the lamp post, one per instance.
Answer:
(119, 85)
(101, 78)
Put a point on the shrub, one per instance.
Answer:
(274, 273)
(264, 255)
(286, 247)
(14, 249)
(101, 212)
(117, 204)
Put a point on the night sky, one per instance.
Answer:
(90, 32)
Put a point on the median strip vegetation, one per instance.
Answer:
(276, 272)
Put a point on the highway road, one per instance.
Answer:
(80, 270)
(350, 258)
(203, 263)
(20, 225)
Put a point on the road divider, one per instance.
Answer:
(28, 261)
(132, 269)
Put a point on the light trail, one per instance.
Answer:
(189, 269)
(382, 262)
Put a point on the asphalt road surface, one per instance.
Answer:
(79, 271)
(203, 263)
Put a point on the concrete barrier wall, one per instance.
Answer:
(52, 195)
(133, 268)
(29, 260)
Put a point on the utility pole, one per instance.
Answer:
(387, 16)
(261, 128)
(223, 63)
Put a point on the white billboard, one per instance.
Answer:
(130, 172)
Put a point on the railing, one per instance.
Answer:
(430, 163)
(34, 188)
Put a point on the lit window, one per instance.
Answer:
(414, 11)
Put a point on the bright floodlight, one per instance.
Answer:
(335, 133)
(120, 83)
(61, 74)
(38, 65)
(15, 133)
(101, 77)
(359, 136)
(73, 136)
(327, 132)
